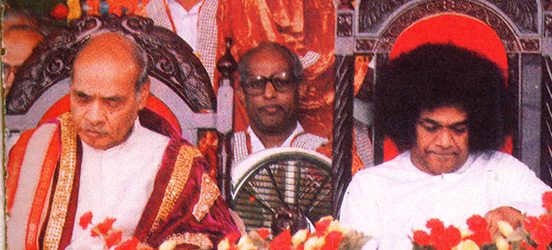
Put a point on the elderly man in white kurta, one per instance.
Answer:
(114, 157)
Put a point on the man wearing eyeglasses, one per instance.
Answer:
(270, 88)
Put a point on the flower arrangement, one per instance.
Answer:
(535, 234)
(113, 237)
(329, 235)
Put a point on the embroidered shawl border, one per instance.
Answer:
(209, 193)
(179, 178)
(43, 191)
(196, 239)
(64, 185)
(28, 170)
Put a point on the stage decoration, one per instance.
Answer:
(535, 234)
(329, 235)
(75, 10)
(60, 11)
(117, 7)
(113, 237)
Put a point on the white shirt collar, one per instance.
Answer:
(257, 145)
(185, 22)
(461, 170)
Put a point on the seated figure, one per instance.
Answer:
(448, 106)
(19, 42)
(113, 157)
(270, 88)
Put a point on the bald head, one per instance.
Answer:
(19, 42)
(18, 17)
(110, 52)
(267, 49)
(108, 88)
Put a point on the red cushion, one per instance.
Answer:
(462, 31)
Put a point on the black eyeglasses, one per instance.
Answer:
(255, 85)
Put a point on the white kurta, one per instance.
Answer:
(257, 145)
(186, 21)
(391, 200)
(117, 183)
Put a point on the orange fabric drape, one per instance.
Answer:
(304, 26)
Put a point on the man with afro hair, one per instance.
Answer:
(448, 111)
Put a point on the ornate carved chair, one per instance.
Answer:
(180, 87)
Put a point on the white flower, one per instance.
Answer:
(505, 228)
(501, 243)
(299, 237)
(223, 244)
(467, 245)
(170, 245)
(245, 243)
(464, 232)
(314, 243)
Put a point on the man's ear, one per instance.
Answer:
(240, 94)
(302, 88)
(143, 95)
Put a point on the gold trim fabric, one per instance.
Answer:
(196, 239)
(208, 195)
(64, 185)
(179, 178)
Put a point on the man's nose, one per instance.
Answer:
(269, 91)
(94, 113)
(8, 80)
(445, 138)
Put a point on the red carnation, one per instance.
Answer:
(542, 234)
(130, 244)
(481, 237)
(322, 225)
(263, 233)
(435, 225)
(547, 200)
(106, 225)
(282, 241)
(445, 239)
(422, 238)
(113, 238)
(85, 219)
(332, 240)
(477, 223)
(530, 223)
(232, 238)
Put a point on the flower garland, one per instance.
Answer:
(329, 235)
(535, 234)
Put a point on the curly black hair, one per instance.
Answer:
(443, 75)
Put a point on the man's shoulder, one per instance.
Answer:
(394, 168)
(498, 160)
(308, 141)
